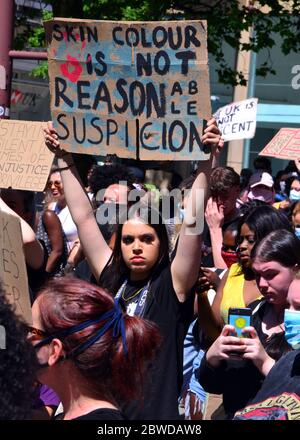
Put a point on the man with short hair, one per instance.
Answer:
(225, 189)
(221, 207)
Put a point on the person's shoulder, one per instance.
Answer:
(256, 305)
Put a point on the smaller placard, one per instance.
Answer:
(25, 162)
(284, 145)
(237, 120)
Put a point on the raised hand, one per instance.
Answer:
(214, 214)
(52, 142)
(212, 136)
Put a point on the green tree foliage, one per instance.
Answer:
(227, 19)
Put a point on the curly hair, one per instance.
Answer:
(18, 366)
(103, 176)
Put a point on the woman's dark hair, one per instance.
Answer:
(265, 219)
(281, 246)
(110, 373)
(18, 365)
(117, 268)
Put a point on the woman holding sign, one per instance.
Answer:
(139, 272)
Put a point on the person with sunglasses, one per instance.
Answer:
(55, 201)
(90, 352)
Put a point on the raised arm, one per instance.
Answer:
(186, 264)
(33, 250)
(214, 218)
(95, 248)
(55, 234)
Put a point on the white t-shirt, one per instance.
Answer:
(67, 225)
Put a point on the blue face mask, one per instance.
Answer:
(297, 232)
(292, 327)
(294, 195)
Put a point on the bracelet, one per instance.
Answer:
(65, 168)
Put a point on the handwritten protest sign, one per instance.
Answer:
(285, 145)
(25, 162)
(129, 88)
(237, 120)
(12, 265)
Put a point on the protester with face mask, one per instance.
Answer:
(261, 187)
(292, 314)
(275, 260)
(279, 396)
(294, 194)
(229, 246)
(238, 287)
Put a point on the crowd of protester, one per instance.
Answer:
(130, 309)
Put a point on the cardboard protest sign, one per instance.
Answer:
(136, 89)
(12, 265)
(25, 162)
(285, 145)
(237, 120)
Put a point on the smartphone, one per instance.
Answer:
(240, 318)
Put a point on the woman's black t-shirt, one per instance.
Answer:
(164, 379)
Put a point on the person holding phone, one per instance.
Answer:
(279, 396)
(238, 287)
(238, 378)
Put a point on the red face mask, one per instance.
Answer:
(229, 257)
